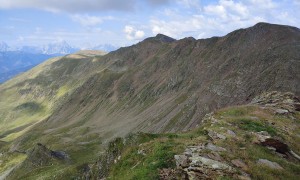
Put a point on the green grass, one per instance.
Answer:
(254, 125)
(138, 166)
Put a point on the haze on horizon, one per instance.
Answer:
(85, 23)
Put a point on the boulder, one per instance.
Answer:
(261, 136)
(270, 164)
(214, 135)
(281, 111)
(199, 161)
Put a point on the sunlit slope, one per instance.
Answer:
(33, 95)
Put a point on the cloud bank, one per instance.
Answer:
(77, 6)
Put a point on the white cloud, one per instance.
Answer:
(78, 6)
(70, 5)
(178, 18)
(217, 10)
(226, 8)
(265, 4)
(189, 3)
(223, 17)
(132, 33)
(87, 20)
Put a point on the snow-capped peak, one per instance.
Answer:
(61, 47)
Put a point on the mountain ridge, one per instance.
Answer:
(156, 86)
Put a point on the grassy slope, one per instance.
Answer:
(32, 96)
(242, 120)
(146, 154)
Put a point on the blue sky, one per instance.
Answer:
(85, 23)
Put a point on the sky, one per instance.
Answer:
(86, 23)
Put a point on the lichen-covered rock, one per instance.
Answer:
(195, 163)
(181, 161)
(199, 161)
(214, 135)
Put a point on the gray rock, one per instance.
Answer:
(220, 136)
(270, 164)
(262, 136)
(215, 135)
(181, 161)
(231, 133)
(281, 111)
(199, 161)
(214, 148)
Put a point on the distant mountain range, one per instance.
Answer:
(14, 60)
(56, 48)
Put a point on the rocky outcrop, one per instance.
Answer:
(197, 163)
(283, 103)
(38, 157)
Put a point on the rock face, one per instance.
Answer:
(283, 103)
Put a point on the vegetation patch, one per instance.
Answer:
(257, 126)
(135, 165)
(30, 107)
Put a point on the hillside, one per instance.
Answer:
(163, 85)
(78, 103)
(33, 95)
(258, 140)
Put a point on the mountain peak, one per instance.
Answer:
(264, 25)
(61, 47)
(164, 38)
